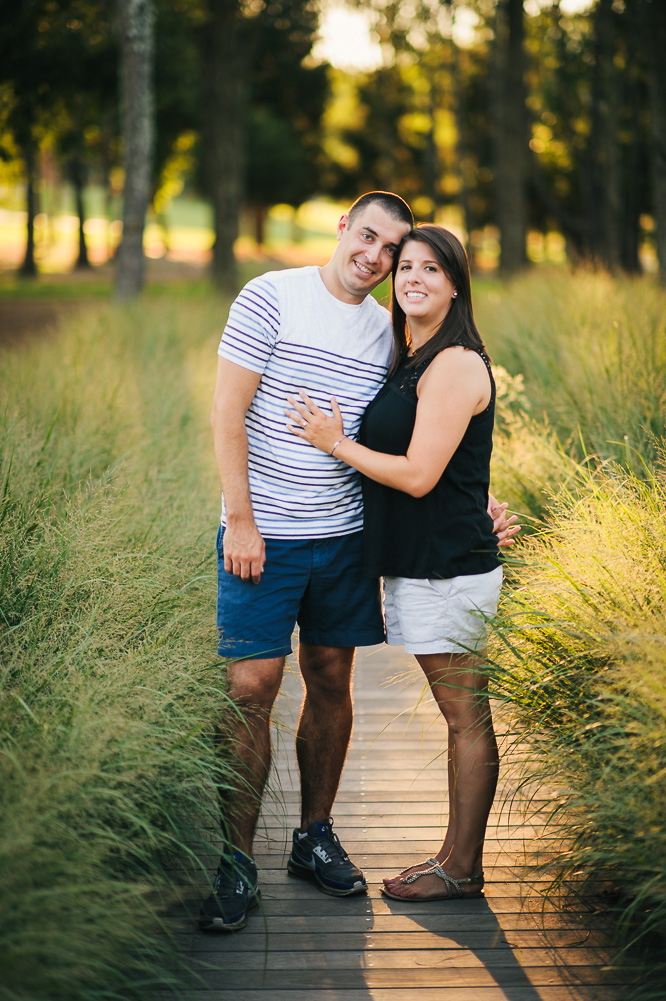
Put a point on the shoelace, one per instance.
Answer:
(334, 840)
(239, 882)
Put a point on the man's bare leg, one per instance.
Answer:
(324, 729)
(322, 741)
(246, 740)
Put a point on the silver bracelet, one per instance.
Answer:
(337, 443)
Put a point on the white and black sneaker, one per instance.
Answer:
(235, 894)
(318, 856)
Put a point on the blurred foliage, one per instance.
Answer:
(423, 123)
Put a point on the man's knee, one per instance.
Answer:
(255, 683)
(326, 671)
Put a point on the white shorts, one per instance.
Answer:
(441, 616)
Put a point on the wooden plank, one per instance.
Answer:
(389, 813)
(254, 940)
(318, 924)
(507, 911)
(393, 807)
(500, 874)
(454, 993)
(493, 960)
(435, 994)
(316, 980)
(398, 825)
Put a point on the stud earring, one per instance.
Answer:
(454, 295)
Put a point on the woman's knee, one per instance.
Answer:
(464, 714)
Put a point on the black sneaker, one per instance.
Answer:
(320, 857)
(235, 894)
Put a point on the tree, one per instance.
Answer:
(510, 134)
(57, 59)
(80, 31)
(286, 96)
(26, 64)
(136, 20)
(589, 131)
(223, 64)
(605, 163)
(261, 111)
(654, 22)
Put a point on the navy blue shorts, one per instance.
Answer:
(316, 583)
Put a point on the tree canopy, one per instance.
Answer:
(521, 122)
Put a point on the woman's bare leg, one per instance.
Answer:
(461, 694)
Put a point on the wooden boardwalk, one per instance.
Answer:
(388, 814)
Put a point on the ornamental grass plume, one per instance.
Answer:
(580, 655)
(592, 350)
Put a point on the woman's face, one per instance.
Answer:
(423, 289)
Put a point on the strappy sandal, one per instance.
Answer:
(428, 862)
(453, 886)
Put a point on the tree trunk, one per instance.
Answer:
(655, 21)
(259, 224)
(223, 82)
(632, 159)
(607, 195)
(511, 136)
(28, 268)
(463, 157)
(432, 167)
(137, 20)
(76, 173)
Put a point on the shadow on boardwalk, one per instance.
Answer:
(303, 944)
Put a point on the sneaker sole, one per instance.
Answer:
(219, 925)
(302, 872)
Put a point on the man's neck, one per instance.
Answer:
(330, 280)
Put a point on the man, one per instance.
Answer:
(289, 545)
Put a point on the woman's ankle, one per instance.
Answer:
(461, 867)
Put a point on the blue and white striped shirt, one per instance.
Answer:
(288, 327)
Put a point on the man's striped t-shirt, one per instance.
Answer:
(288, 327)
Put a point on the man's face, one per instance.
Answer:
(365, 251)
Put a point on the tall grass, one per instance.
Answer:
(592, 350)
(580, 652)
(110, 684)
(530, 464)
(580, 644)
(110, 687)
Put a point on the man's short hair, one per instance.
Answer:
(393, 204)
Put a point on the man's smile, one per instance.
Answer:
(363, 268)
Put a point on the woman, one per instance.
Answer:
(424, 452)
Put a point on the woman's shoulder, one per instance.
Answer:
(458, 360)
(457, 370)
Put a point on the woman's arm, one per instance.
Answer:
(454, 387)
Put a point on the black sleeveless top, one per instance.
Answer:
(446, 533)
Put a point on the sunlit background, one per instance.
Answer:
(347, 39)
(556, 161)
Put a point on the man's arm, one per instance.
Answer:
(503, 527)
(244, 549)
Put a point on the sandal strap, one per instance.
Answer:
(428, 861)
(453, 886)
